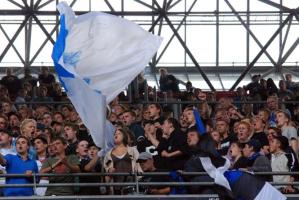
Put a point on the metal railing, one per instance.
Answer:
(136, 183)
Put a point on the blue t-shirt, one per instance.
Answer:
(15, 165)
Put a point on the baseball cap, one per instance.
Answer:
(144, 156)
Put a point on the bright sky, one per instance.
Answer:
(200, 38)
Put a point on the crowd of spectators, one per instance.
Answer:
(37, 136)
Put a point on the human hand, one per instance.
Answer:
(165, 154)
(111, 170)
(152, 191)
(288, 189)
(28, 173)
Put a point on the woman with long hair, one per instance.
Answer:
(121, 158)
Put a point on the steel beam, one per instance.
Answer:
(289, 52)
(270, 71)
(146, 5)
(174, 4)
(44, 4)
(109, 5)
(291, 72)
(132, 13)
(249, 31)
(44, 29)
(276, 5)
(15, 3)
(28, 36)
(14, 37)
(177, 29)
(25, 4)
(13, 46)
(189, 53)
(217, 40)
(154, 59)
(36, 4)
(48, 38)
(251, 65)
(283, 43)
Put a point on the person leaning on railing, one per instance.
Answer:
(19, 164)
(146, 162)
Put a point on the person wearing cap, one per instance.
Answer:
(256, 161)
(146, 162)
(283, 122)
(282, 161)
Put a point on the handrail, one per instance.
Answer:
(126, 184)
(169, 101)
(133, 174)
(134, 183)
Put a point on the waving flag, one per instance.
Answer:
(96, 56)
(243, 185)
(199, 124)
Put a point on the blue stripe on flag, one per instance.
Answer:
(199, 124)
(58, 50)
(232, 176)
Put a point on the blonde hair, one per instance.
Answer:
(24, 123)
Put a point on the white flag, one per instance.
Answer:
(96, 56)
